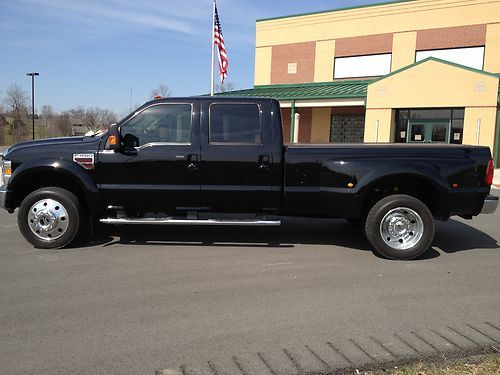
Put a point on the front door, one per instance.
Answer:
(432, 131)
(236, 163)
(162, 174)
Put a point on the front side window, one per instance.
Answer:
(165, 123)
(235, 123)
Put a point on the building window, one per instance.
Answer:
(435, 125)
(472, 57)
(292, 68)
(362, 66)
(347, 128)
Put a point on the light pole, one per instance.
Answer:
(33, 74)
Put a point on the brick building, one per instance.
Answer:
(401, 71)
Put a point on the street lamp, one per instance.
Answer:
(33, 74)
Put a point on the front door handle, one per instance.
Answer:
(264, 162)
(192, 161)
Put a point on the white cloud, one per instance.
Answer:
(122, 14)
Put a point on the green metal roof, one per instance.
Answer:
(326, 90)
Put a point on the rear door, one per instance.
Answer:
(236, 156)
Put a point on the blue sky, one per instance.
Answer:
(92, 52)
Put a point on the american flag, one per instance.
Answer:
(219, 42)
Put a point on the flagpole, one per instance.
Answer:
(213, 51)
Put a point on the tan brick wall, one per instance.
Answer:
(451, 37)
(301, 53)
(305, 125)
(285, 122)
(363, 45)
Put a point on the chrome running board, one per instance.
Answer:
(153, 221)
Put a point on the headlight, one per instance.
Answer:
(6, 171)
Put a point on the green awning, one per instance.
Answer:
(326, 90)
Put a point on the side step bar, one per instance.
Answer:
(153, 221)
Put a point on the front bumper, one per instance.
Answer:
(3, 195)
(490, 204)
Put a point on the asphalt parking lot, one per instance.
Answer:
(309, 296)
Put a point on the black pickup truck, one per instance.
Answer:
(221, 161)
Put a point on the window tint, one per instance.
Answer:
(235, 123)
(169, 123)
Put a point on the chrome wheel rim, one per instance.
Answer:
(48, 219)
(401, 228)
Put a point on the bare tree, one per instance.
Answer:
(77, 112)
(162, 90)
(97, 118)
(16, 98)
(47, 114)
(17, 102)
(61, 126)
(225, 87)
(3, 127)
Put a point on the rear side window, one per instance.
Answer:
(235, 123)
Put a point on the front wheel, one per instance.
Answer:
(400, 227)
(48, 218)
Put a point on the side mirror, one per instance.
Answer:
(130, 141)
(113, 138)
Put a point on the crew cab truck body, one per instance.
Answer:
(221, 161)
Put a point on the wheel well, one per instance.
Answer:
(39, 179)
(416, 187)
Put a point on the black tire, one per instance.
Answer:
(408, 225)
(67, 202)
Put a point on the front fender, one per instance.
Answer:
(68, 168)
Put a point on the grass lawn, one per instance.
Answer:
(478, 365)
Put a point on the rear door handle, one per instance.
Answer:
(264, 162)
(192, 161)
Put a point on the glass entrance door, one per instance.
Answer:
(432, 131)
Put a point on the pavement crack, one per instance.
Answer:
(408, 345)
(362, 350)
(428, 343)
(492, 326)
(336, 350)
(379, 343)
(325, 363)
(239, 365)
(447, 339)
(464, 336)
(213, 368)
(266, 363)
(300, 369)
(482, 333)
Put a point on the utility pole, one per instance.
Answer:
(33, 75)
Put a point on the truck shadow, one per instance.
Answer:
(451, 237)
(454, 236)
(291, 233)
